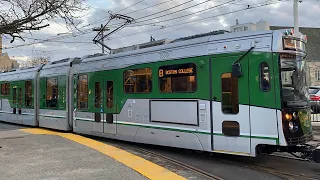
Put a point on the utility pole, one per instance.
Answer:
(295, 15)
(98, 29)
(99, 38)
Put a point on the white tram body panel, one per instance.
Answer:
(26, 116)
(55, 118)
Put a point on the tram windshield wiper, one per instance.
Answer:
(236, 66)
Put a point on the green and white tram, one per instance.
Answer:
(236, 93)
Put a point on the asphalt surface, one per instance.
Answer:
(26, 156)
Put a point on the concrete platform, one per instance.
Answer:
(47, 156)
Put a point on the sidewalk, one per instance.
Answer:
(32, 153)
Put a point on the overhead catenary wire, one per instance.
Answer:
(86, 31)
(257, 5)
(89, 30)
(102, 19)
(202, 19)
(166, 20)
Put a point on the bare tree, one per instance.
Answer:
(17, 16)
(40, 57)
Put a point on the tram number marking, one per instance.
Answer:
(164, 55)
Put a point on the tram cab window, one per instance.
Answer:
(178, 78)
(82, 95)
(28, 93)
(5, 89)
(264, 77)
(52, 92)
(138, 80)
(229, 98)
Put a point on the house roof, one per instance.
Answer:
(313, 43)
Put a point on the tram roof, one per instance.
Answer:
(20, 74)
(181, 49)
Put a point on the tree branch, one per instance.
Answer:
(30, 15)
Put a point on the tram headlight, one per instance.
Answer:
(288, 117)
(292, 127)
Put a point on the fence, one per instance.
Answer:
(315, 107)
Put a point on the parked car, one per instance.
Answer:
(314, 98)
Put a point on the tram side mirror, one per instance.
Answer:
(236, 70)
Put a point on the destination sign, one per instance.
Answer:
(293, 44)
(177, 70)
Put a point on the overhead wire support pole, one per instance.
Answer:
(101, 29)
(99, 38)
(296, 15)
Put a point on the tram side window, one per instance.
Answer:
(14, 98)
(264, 77)
(109, 94)
(28, 93)
(83, 92)
(97, 95)
(52, 92)
(5, 89)
(229, 98)
(20, 96)
(138, 80)
(178, 78)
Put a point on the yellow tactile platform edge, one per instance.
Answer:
(144, 167)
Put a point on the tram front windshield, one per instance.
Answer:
(294, 81)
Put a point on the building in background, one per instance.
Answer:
(6, 64)
(312, 47)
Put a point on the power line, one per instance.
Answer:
(100, 20)
(86, 31)
(214, 7)
(89, 30)
(130, 6)
(202, 19)
(148, 7)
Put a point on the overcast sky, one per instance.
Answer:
(158, 21)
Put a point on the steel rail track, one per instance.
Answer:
(268, 170)
(179, 163)
(277, 173)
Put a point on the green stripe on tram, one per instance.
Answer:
(182, 130)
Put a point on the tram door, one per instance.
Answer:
(17, 104)
(104, 104)
(230, 106)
